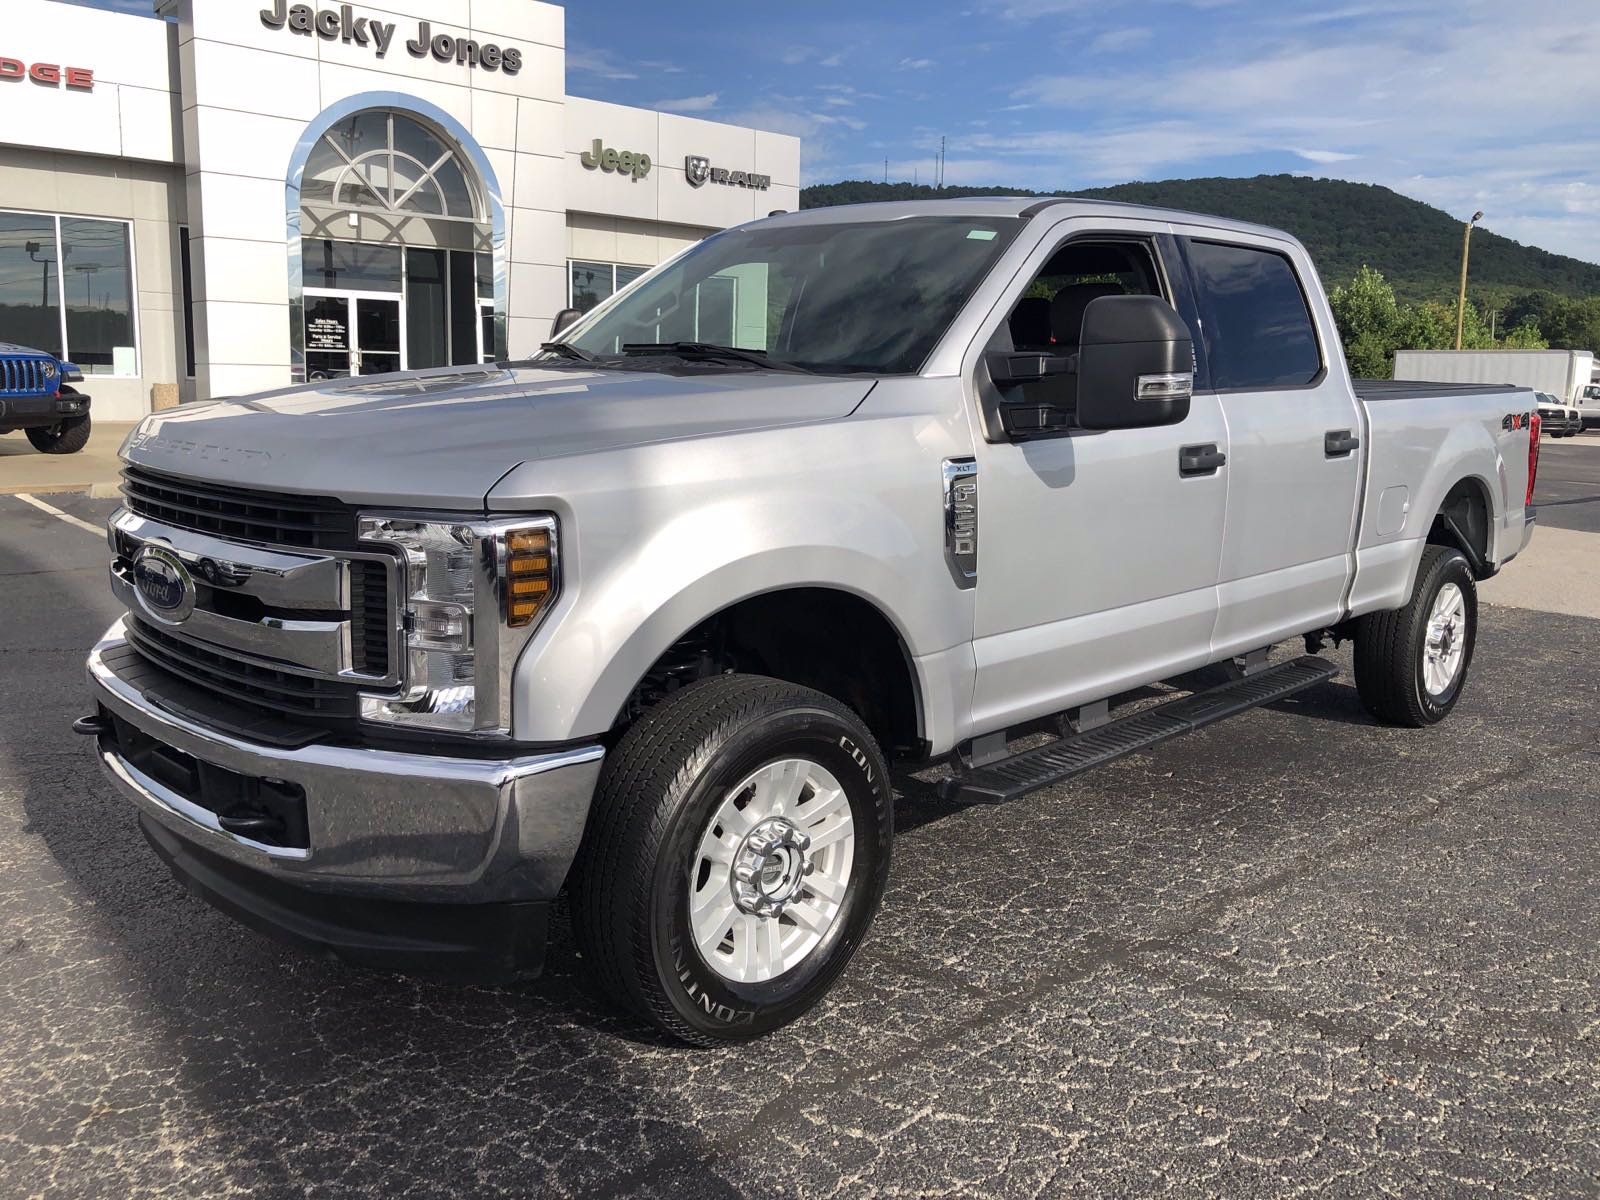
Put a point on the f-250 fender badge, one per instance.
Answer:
(961, 520)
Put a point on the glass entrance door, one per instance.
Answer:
(327, 337)
(353, 333)
(377, 335)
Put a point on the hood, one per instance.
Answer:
(443, 438)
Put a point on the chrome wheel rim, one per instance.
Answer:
(771, 871)
(1447, 640)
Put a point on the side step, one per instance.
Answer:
(1030, 770)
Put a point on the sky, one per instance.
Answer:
(1463, 104)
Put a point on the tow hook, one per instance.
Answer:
(90, 726)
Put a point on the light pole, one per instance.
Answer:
(1461, 300)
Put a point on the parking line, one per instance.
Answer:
(97, 530)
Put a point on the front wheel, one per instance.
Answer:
(1411, 662)
(735, 856)
(67, 437)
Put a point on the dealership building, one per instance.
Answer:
(249, 193)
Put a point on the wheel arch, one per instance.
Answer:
(776, 583)
(1464, 519)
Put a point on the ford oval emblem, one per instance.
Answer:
(163, 584)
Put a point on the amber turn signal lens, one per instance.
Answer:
(530, 575)
(528, 541)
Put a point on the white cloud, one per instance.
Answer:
(1113, 41)
(1325, 156)
(597, 62)
(915, 64)
(689, 104)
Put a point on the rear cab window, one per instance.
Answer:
(1257, 325)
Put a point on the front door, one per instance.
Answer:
(352, 333)
(1097, 555)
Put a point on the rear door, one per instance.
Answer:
(1294, 432)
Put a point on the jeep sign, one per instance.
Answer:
(634, 163)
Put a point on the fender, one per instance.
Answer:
(1430, 454)
(638, 576)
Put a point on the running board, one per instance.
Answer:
(1028, 771)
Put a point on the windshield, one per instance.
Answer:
(869, 296)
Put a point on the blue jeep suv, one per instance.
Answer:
(35, 397)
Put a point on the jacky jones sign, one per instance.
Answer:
(342, 24)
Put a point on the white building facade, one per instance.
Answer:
(253, 192)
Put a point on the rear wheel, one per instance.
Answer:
(1411, 662)
(735, 856)
(68, 437)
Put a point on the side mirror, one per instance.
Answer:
(1012, 368)
(1135, 364)
(563, 319)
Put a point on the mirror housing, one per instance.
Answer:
(1012, 368)
(1135, 364)
(564, 318)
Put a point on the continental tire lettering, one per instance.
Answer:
(701, 999)
(860, 757)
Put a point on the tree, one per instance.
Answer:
(1525, 337)
(1369, 323)
(1373, 325)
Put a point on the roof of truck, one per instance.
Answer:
(1012, 206)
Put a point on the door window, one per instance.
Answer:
(377, 335)
(327, 337)
(1258, 329)
(1048, 318)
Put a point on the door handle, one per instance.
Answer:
(1200, 460)
(1336, 443)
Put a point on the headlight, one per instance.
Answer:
(472, 593)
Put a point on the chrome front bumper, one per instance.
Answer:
(383, 824)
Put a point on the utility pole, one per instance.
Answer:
(941, 161)
(1461, 300)
(886, 170)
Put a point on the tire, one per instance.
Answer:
(67, 437)
(1392, 654)
(663, 792)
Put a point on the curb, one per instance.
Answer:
(105, 491)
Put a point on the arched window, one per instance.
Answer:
(386, 162)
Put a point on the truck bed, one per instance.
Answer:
(1372, 390)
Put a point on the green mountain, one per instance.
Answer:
(1344, 225)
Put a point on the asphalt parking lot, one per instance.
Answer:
(1297, 953)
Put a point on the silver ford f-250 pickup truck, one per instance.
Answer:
(648, 617)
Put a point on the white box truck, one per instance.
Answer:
(1564, 374)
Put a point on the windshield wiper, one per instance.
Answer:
(709, 351)
(567, 350)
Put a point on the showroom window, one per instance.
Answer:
(592, 282)
(66, 286)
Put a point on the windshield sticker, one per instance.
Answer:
(980, 235)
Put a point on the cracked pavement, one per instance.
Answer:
(1294, 954)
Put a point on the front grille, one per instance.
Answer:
(24, 375)
(245, 683)
(314, 522)
(369, 617)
